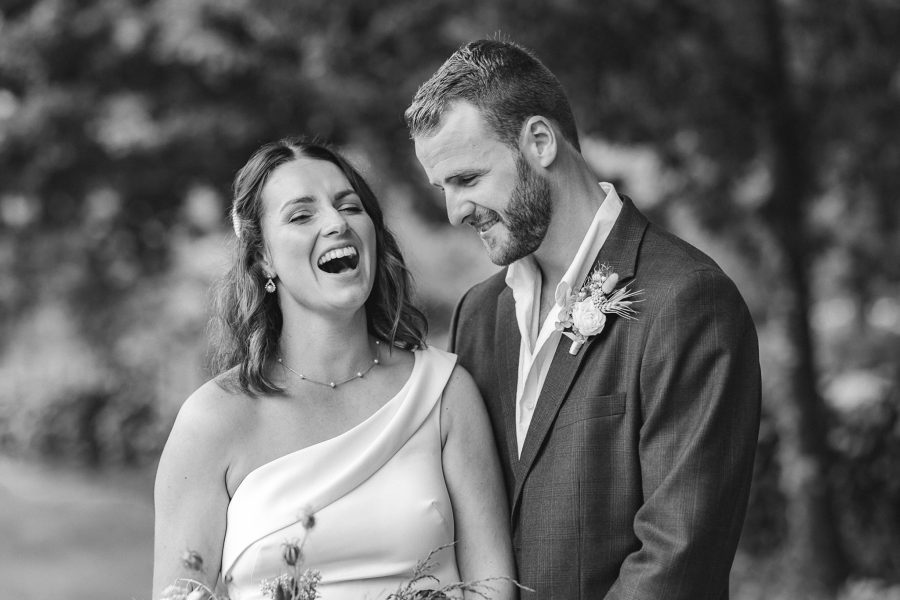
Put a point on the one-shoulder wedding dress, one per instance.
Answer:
(377, 492)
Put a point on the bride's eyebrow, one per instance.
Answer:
(293, 201)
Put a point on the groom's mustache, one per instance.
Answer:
(482, 217)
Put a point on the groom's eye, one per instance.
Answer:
(467, 179)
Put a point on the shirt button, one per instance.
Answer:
(228, 578)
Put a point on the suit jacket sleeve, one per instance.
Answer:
(700, 402)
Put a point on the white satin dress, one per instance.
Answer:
(377, 492)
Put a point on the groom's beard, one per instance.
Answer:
(527, 216)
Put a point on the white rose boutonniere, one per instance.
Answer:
(587, 317)
(583, 313)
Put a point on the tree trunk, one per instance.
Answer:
(816, 562)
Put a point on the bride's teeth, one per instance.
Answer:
(337, 253)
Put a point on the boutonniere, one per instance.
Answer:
(583, 313)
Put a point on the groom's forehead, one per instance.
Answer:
(463, 116)
(462, 135)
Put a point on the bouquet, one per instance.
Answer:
(299, 583)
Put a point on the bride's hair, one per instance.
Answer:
(246, 323)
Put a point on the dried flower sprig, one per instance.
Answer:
(187, 588)
(297, 584)
(411, 589)
(293, 586)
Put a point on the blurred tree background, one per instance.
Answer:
(766, 133)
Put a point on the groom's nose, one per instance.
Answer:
(458, 208)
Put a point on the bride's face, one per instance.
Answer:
(319, 240)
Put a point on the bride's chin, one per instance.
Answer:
(349, 305)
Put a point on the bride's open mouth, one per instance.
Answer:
(339, 260)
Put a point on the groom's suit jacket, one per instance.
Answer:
(635, 472)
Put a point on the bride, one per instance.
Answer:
(328, 403)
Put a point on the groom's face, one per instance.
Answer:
(486, 184)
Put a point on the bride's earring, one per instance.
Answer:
(270, 286)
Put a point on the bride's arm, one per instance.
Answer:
(191, 499)
(475, 483)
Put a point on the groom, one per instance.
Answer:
(627, 458)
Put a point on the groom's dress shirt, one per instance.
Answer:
(539, 341)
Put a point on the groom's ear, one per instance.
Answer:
(539, 141)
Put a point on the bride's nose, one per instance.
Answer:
(335, 224)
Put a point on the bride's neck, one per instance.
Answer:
(324, 348)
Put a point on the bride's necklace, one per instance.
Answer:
(335, 384)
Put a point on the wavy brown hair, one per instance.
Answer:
(246, 324)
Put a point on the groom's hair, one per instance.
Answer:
(506, 82)
(247, 321)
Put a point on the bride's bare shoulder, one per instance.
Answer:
(221, 395)
(212, 419)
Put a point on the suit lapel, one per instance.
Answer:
(621, 247)
(508, 339)
(560, 377)
(620, 252)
